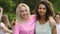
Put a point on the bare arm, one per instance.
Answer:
(6, 29)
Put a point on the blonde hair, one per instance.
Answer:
(18, 11)
(5, 20)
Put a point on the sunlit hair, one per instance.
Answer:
(5, 20)
(18, 11)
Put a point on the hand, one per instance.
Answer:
(52, 21)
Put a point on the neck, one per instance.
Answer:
(42, 20)
(20, 20)
(25, 19)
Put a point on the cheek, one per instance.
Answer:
(38, 10)
(27, 13)
(45, 11)
(21, 14)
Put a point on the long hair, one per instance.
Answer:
(5, 20)
(49, 9)
(18, 11)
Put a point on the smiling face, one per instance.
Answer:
(24, 12)
(42, 10)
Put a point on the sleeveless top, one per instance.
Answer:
(43, 28)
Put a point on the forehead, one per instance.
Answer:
(23, 7)
(42, 5)
(57, 16)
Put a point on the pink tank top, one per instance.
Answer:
(25, 28)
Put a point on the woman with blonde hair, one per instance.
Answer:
(25, 23)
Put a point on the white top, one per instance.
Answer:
(43, 28)
(1, 30)
(58, 28)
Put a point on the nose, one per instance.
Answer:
(41, 9)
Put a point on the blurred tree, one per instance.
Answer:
(56, 5)
(8, 7)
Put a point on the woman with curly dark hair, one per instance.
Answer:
(44, 14)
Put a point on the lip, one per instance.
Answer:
(42, 13)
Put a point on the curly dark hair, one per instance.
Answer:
(49, 10)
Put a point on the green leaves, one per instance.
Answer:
(10, 6)
(56, 5)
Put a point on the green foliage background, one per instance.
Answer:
(10, 6)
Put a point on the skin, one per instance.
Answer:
(42, 12)
(24, 12)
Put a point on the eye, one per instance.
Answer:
(21, 11)
(39, 8)
(25, 10)
(44, 8)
